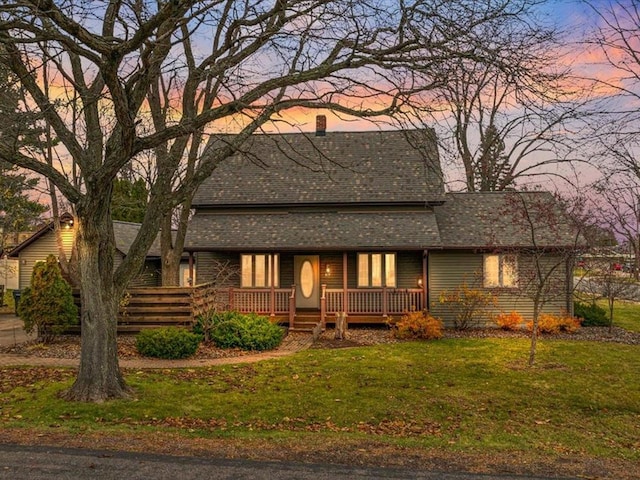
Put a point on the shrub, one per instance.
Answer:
(509, 321)
(553, 324)
(417, 325)
(248, 332)
(592, 315)
(467, 304)
(169, 343)
(47, 304)
(205, 322)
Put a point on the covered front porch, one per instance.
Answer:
(368, 287)
(361, 306)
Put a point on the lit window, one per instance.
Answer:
(500, 271)
(257, 270)
(376, 270)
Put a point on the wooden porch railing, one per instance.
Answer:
(264, 301)
(281, 301)
(375, 301)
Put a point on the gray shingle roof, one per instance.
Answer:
(495, 219)
(341, 167)
(125, 233)
(313, 230)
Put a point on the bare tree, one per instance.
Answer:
(603, 281)
(617, 206)
(512, 120)
(545, 262)
(615, 38)
(260, 58)
(614, 41)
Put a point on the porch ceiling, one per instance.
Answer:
(322, 230)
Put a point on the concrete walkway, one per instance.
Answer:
(11, 333)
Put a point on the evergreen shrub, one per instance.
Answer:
(170, 343)
(245, 331)
(592, 315)
(47, 304)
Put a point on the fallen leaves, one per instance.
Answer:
(392, 428)
(15, 377)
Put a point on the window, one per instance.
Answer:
(500, 271)
(376, 270)
(257, 270)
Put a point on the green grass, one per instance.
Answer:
(625, 314)
(582, 398)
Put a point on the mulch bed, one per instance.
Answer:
(69, 346)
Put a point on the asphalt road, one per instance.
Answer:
(43, 463)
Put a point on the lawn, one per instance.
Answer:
(625, 314)
(582, 400)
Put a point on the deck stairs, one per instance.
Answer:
(305, 322)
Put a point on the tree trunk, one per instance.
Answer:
(611, 315)
(172, 245)
(170, 268)
(99, 377)
(534, 334)
(341, 325)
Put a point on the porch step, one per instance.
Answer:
(303, 326)
(305, 322)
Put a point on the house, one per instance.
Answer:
(43, 243)
(358, 222)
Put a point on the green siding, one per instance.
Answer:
(449, 269)
(150, 276)
(39, 250)
(209, 263)
(335, 263)
(409, 269)
(286, 270)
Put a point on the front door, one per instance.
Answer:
(307, 280)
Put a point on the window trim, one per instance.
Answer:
(502, 265)
(386, 259)
(271, 262)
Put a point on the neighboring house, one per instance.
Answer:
(314, 225)
(43, 243)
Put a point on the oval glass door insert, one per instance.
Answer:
(306, 279)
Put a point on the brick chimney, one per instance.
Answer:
(321, 125)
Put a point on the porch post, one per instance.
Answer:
(323, 307)
(385, 302)
(192, 280)
(272, 299)
(231, 306)
(345, 284)
(292, 306)
(425, 290)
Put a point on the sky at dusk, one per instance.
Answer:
(575, 18)
(577, 21)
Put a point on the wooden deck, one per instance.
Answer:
(154, 307)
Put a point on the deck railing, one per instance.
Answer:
(375, 300)
(260, 300)
(371, 301)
